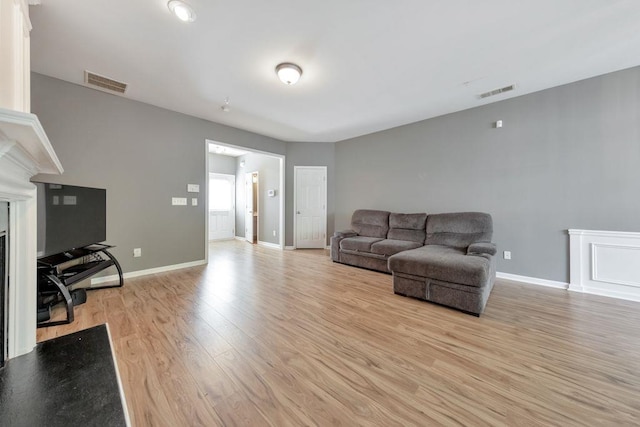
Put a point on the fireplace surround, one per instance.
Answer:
(25, 151)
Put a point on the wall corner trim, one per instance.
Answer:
(132, 274)
(532, 280)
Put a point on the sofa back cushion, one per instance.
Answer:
(459, 230)
(410, 227)
(370, 223)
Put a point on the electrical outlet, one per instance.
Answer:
(194, 201)
(137, 252)
(507, 255)
(179, 201)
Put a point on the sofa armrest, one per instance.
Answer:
(345, 233)
(482, 248)
(335, 242)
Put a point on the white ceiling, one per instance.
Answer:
(368, 65)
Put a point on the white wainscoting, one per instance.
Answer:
(605, 263)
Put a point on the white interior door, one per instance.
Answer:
(310, 206)
(222, 212)
(248, 209)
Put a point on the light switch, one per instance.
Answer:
(193, 188)
(69, 200)
(194, 201)
(179, 201)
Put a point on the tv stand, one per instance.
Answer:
(55, 281)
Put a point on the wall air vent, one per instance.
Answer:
(497, 91)
(103, 83)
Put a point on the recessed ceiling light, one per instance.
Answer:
(182, 10)
(288, 73)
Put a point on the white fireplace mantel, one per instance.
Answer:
(25, 151)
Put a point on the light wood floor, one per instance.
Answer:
(264, 337)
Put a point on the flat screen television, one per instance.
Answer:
(70, 217)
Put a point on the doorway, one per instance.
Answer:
(236, 160)
(310, 207)
(252, 209)
(222, 206)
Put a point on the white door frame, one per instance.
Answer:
(254, 208)
(295, 203)
(282, 159)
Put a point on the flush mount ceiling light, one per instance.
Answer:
(182, 10)
(288, 73)
(225, 107)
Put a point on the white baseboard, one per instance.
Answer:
(292, 248)
(269, 245)
(629, 296)
(226, 239)
(532, 280)
(239, 238)
(148, 271)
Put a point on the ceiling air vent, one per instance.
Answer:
(106, 84)
(497, 91)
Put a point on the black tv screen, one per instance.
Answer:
(70, 217)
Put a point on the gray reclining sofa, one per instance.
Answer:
(445, 258)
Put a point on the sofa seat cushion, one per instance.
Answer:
(359, 243)
(443, 263)
(391, 246)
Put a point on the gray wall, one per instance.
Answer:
(310, 154)
(268, 169)
(567, 157)
(143, 156)
(222, 164)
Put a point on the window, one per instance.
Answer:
(219, 191)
